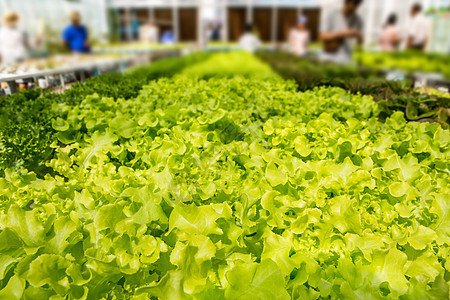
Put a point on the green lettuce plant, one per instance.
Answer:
(233, 188)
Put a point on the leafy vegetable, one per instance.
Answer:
(26, 130)
(391, 96)
(232, 188)
(409, 62)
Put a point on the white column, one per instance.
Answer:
(369, 24)
(388, 9)
(249, 17)
(225, 33)
(103, 17)
(274, 22)
(151, 14)
(200, 37)
(176, 21)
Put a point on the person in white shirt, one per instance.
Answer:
(419, 29)
(13, 41)
(249, 41)
(299, 37)
(149, 33)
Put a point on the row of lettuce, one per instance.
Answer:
(408, 62)
(228, 183)
(25, 119)
(424, 105)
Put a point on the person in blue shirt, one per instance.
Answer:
(75, 36)
(168, 38)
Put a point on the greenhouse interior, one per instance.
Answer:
(224, 149)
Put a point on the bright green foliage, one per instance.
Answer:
(229, 65)
(391, 96)
(409, 62)
(230, 189)
(26, 118)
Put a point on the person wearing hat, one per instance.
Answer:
(75, 36)
(299, 37)
(13, 41)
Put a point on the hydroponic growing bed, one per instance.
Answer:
(222, 183)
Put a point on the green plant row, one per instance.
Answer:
(391, 96)
(25, 118)
(229, 65)
(309, 73)
(230, 188)
(409, 62)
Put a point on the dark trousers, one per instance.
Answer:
(420, 47)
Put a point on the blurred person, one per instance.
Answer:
(212, 32)
(389, 38)
(14, 43)
(168, 37)
(339, 29)
(75, 35)
(249, 41)
(215, 34)
(209, 32)
(149, 33)
(123, 30)
(419, 29)
(135, 27)
(299, 37)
